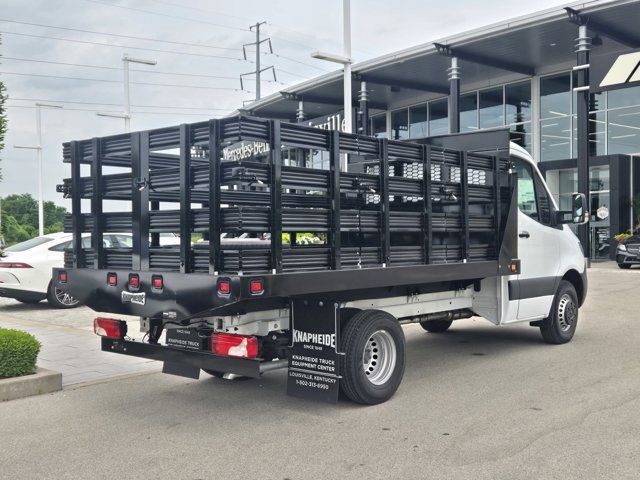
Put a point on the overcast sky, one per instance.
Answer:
(202, 32)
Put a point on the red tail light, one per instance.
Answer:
(14, 265)
(234, 345)
(109, 327)
(112, 279)
(62, 277)
(157, 282)
(256, 287)
(224, 287)
(134, 281)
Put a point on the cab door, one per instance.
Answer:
(538, 245)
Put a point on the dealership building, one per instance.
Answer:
(529, 75)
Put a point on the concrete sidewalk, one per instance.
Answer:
(75, 351)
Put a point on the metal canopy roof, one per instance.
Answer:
(535, 41)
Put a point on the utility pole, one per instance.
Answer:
(38, 149)
(126, 60)
(258, 71)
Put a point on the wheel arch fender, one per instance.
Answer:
(579, 282)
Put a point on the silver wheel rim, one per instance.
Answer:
(379, 357)
(64, 298)
(567, 312)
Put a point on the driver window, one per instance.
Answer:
(526, 189)
(544, 203)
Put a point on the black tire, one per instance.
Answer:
(378, 380)
(58, 299)
(624, 266)
(436, 326)
(28, 301)
(561, 324)
(229, 376)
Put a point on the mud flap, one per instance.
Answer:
(181, 370)
(314, 360)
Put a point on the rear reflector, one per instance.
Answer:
(112, 279)
(109, 327)
(157, 282)
(256, 287)
(134, 281)
(62, 277)
(14, 265)
(234, 345)
(224, 287)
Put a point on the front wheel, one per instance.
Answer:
(561, 324)
(374, 356)
(60, 299)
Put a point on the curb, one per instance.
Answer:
(43, 381)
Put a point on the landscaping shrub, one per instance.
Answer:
(18, 353)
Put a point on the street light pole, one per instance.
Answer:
(126, 60)
(345, 60)
(346, 40)
(38, 149)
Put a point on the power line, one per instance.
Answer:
(87, 42)
(167, 15)
(76, 102)
(282, 27)
(120, 69)
(118, 81)
(298, 61)
(132, 37)
(116, 111)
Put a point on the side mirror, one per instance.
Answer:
(579, 212)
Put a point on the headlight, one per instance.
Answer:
(622, 247)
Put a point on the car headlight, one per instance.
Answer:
(622, 247)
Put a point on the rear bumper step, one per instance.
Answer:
(248, 367)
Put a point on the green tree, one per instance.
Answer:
(20, 217)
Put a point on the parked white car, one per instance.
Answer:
(25, 268)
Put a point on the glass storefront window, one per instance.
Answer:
(379, 126)
(597, 136)
(518, 102)
(624, 128)
(400, 124)
(438, 117)
(418, 121)
(491, 108)
(599, 179)
(555, 96)
(469, 112)
(521, 134)
(624, 97)
(555, 138)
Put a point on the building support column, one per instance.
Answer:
(363, 111)
(454, 96)
(583, 45)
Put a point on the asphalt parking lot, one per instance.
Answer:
(477, 402)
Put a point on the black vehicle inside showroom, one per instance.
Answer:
(628, 252)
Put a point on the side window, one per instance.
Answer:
(526, 189)
(122, 241)
(61, 247)
(544, 203)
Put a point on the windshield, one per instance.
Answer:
(27, 244)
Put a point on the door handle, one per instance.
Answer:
(524, 234)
